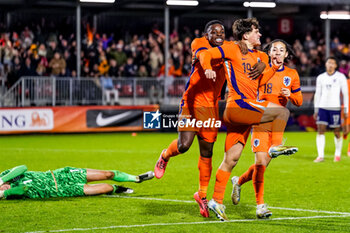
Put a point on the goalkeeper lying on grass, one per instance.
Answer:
(63, 182)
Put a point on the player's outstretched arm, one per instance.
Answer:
(14, 172)
(15, 191)
(224, 51)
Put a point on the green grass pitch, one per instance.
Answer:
(303, 190)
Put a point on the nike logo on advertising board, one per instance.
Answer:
(100, 121)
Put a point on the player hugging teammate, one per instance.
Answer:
(246, 70)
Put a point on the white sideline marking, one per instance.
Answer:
(76, 150)
(313, 211)
(271, 207)
(152, 199)
(190, 223)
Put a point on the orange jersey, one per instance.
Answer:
(283, 78)
(199, 90)
(237, 67)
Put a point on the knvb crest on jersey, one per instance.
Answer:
(256, 142)
(151, 120)
(286, 81)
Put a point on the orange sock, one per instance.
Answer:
(204, 166)
(220, 185)
(171, 151)
(278, 126)
(258, 183)
(247, 176)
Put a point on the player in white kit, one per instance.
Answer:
(327, 104)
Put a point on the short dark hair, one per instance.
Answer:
(289, 48)
(212, 22)
(242, 26)
(333, 58)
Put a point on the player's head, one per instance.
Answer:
(247, 30)
(331, 65)
(214, 31)
(279, 49)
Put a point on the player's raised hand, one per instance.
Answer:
(285, 92)
(257, 70)
(210, 74)
(279, 61)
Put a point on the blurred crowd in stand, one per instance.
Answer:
(32, 52)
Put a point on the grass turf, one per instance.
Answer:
(292, 182)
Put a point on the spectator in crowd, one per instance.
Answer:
(119, 54)
(142, 72)
(27, 69)
(113, 68)
(57, 64)
(51, 49)
(103, 66)
(107, 54)
(309, 43)
(85, 72)
(156, 60)
(14, 73)
(130, 69)
(109, 90)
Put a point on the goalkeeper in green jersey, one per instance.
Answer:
(63, 182)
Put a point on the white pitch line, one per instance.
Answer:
(190, 223)
(187, 201)
(75, 150)
(313, 211)
(151, 199)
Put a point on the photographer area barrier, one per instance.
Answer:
(73, 119)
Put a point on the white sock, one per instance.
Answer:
(320, 143)
(338, 142)
(2, 193)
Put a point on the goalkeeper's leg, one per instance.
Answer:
(97, 175)
(96, 189)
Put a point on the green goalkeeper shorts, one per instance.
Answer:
(70, 181)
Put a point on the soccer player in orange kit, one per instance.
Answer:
(242, 108)
(283, 86)
(200, 101)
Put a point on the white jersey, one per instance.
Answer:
(328, 88)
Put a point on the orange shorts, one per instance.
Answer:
(244, 111)
(261, 137)
(209, 116)
(236, 134)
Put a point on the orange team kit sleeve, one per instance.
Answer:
(200, 91)
(296, 96)
(238, 67)
(284, 78)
